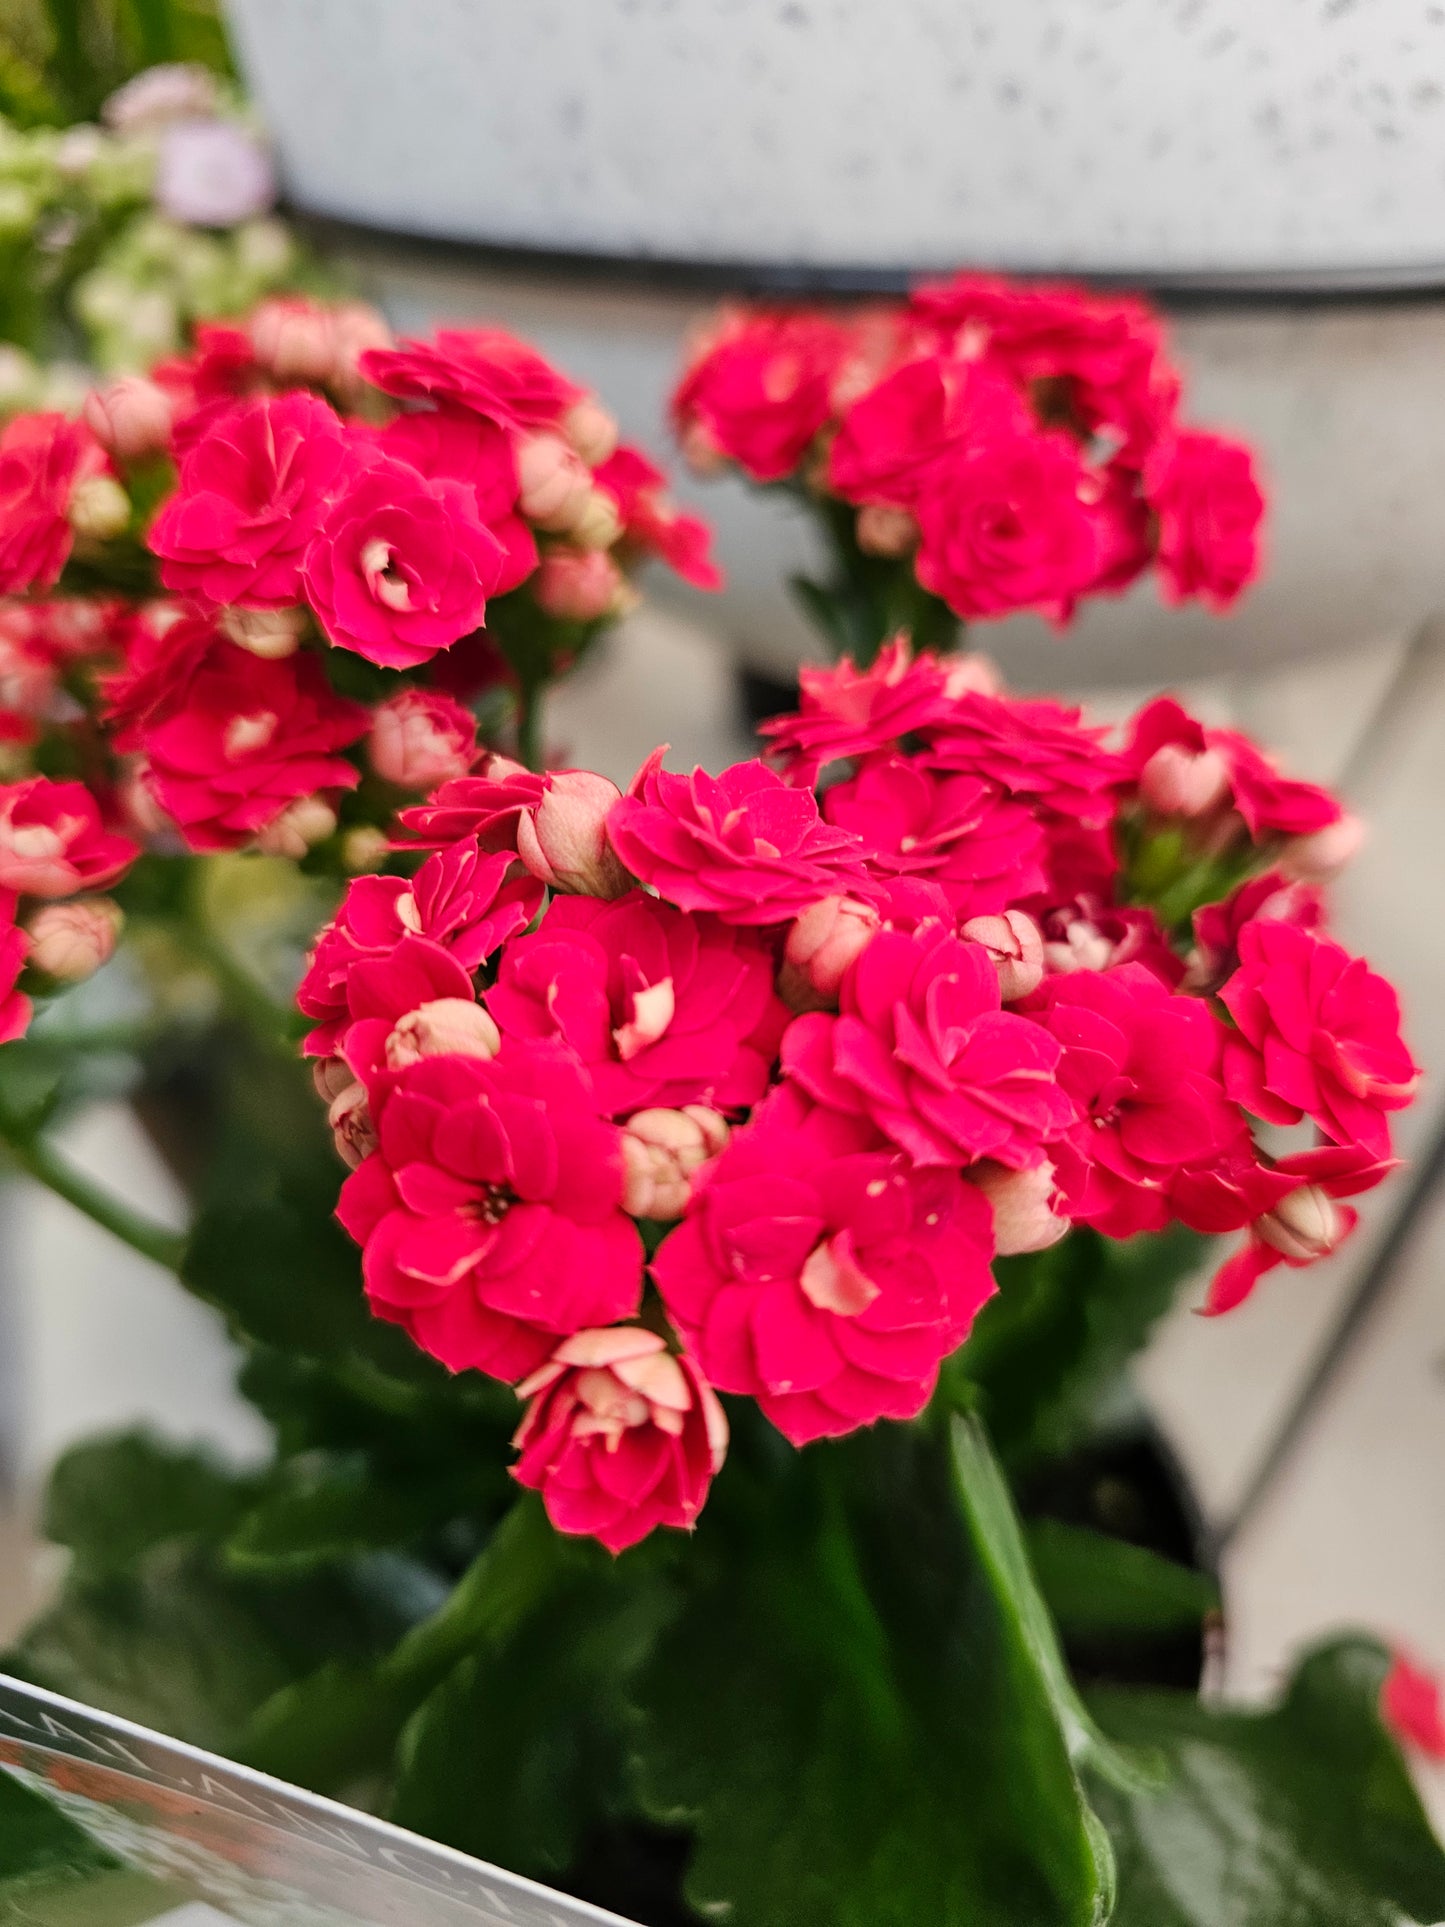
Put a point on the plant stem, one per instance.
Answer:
(529, 723)
(40, 1160)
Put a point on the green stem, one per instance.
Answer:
(41, 1162)
(529, 723)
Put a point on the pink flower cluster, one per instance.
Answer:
(297, 490)
(824, 1053)
(1021, 443)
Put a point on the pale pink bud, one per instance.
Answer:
(307, 821)
(1082, 947)
(662, 1152)
(591, 430)
(70, 941)
(822, 943)
(99, 508)
(554, 482)
(352, 1130)
(1184, 782)
(1324, 853)
(1306, 1224)
(364, 849)
(1015, 948)
(331, 1076)
(596, 524)
(358, 327)
(974, 674)
(882, 529)
(1023, 1215)
(295, 340)
(421, 738)
(446, 1027)
(700, 450)
(563, 841)
(578, 585)
(130, 417)
(271, 634)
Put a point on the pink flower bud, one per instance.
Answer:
(591, 430)
(307, 821)
(822, 943)
(1306, 1224)
(421, 738)
(271, 634)
(1322, 855)
(130, 417)
(700, 450)
(554, 482)
(1083, 946)
(331, 1076)
(578, 585)
(1182, 782)
(364, 849)
(972, 675)
(294, 340)
(446, 1027)
(1015, 949)
(352, 1130)
(882, 529)
(70, 941)
(1023, 1215)
(98, 508)
(563, 840)
(662, 1152)
(358, 327)
(596, 524)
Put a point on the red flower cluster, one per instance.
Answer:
(834, 1051)
(1020, 442)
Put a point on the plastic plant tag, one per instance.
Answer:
(107, 1824)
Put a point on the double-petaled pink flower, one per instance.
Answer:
(922, 1050)
(485, 371)
(742, 844)
(821, 1272)
(1303, 1220)
(664, 1009)
(1317, 1035)
(760, 389)
(1166, 743)
(15, 1006)
(1208, 507)
(620, 1435)
(43, 459)
(54, 840)
(490, 1214)
(845, 713)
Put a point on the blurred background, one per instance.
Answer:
(597, 175)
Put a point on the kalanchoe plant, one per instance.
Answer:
(751, 1186)
(979, 449)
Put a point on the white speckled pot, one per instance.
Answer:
(1149, 137)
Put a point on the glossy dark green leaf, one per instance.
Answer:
(857, 1710)
(111, 1499)
(321, 1508)
(1050, 1347)
(1299, 1817)
(1094, 1585)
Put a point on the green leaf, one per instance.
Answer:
(38, 1845)
(111, 1499)
(1049, 1348)
(856, 1712)
(1097, 1586)
(320, 1509)
(1299, 1817)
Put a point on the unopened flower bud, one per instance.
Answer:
(974, 674)
(554, 482)
(331, 1076)
(294, 340)
(662, 1152)
(307, 821)
(1023, 1215)
(130, 417)
(1083, 946)
(700, 450)
(596, 524)
(1306, 1224)
(364, 849)
(352, 1129)
(1184, 782)
(579, 585)
(446, 1027)
(70, 941)
(99, 508)
(1015, 948)
(421, 738)
(1324, 853)
(822, 943)
(271, 634)
(591, 430)
(882, 529)
(563, 840)
(358, 327)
